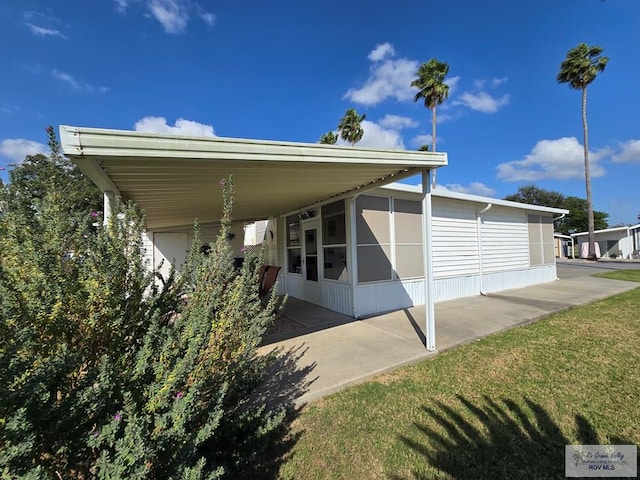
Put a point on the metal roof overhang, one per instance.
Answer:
(174, 179)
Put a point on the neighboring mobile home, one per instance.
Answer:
(619, 242)
(345, 238)
(563, 245)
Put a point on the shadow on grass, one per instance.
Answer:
(496, 440)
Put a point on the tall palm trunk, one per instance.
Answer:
(433, 141)
(587, 179)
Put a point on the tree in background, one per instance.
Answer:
(575, 221)
(329, 138)
(424, 148)
(580, 67)
(39, 177)
(433, 91)
(105, 374)
(537, 196)
(350, 126)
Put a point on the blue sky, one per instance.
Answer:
(288, 70)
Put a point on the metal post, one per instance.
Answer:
(427, 255)
(109, 198)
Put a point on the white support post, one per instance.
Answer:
(352, 254)
(427, 255)
(109, 199)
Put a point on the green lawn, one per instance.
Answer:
(629, 275)
(502, 407)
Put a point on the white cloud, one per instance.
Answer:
(498, 81)
(376, 136)
(558, 159)
(382, 51)
(70, 81)
(182, 127)
(121, 5)
(482, 101)
(207, 17)
(453, 83)
(173, 15)
(397, 122)
(420, 140)
(17, 149)
(388, 78)
(629, 152)
(479, 84)
(44, 32)
(474, 188)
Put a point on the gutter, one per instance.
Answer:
(480, 262)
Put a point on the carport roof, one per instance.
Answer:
(174, 179)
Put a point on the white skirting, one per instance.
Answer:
(374, 298)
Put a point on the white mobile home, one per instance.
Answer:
(619, 242)
(345, 238)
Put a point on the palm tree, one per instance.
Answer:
(579, 69)
(329, 138)
(350, 128)
(433, 90)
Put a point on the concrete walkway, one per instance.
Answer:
(326, 352)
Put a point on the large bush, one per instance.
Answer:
(107, 373)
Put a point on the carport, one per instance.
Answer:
(173, 179)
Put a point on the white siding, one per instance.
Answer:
(373, 298)
(337, 296)
(505, 241)
(454, 238)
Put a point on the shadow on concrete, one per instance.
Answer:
(416, 326)
(301, 318)
(538, 303)
(284, 382)
(496, 439)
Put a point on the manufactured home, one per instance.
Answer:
(619, 242)
(345, 233)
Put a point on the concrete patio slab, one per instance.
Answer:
(339, 351)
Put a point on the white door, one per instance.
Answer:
(312, 262)
(169, 248)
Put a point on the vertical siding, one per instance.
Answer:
(505, 243)
(450, 288)
(373, 298)
(337, 297)
(454, 238)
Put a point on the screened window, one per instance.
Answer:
(541, 248)
(407, 219)
(373, 239)
(334, 241)
(294, 254)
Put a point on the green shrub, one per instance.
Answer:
(107, 374)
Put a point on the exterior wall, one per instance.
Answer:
(169, 247)
(387, 296)
(507, 240)
(562, 247)
(617, 243)
(454, 239)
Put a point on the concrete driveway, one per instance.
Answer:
(326, 352)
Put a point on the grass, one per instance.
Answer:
(502, 407)
(629, 275)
